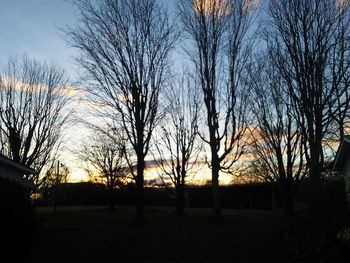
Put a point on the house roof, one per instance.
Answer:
(342, 153)
(11, 163)
(4, 161)
(8, 162)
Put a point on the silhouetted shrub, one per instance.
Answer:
(18, 224)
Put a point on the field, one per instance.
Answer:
(95, 234)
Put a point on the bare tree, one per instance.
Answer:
(105, 161)
(309, 42)
(125, 49)
(58, 173)
(178, 149)
(33, 111)
(220, 50)
(55, 175)
(277, 147)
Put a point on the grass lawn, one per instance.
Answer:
(99, 235)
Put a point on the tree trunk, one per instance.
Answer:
(288, 197)
(314, 184)
(139, 192)
(215, 187)
(180, 199)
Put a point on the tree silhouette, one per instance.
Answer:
(309, 45)
(177, 147)
(105, 161)
(125, 48)
(219, 52)
(57, 174)
(33, 112)
(277, 143)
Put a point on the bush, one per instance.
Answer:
(18, 224)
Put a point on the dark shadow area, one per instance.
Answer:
(18, 223)
(85, 230)
(323, 228)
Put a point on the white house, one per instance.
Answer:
(14, 171)
(342, 162)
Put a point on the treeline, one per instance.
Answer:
(252, 196)
(266, 196)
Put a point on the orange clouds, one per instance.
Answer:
(212, 7)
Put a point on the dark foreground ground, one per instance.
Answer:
(98, 235)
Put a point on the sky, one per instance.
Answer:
(32, 28)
